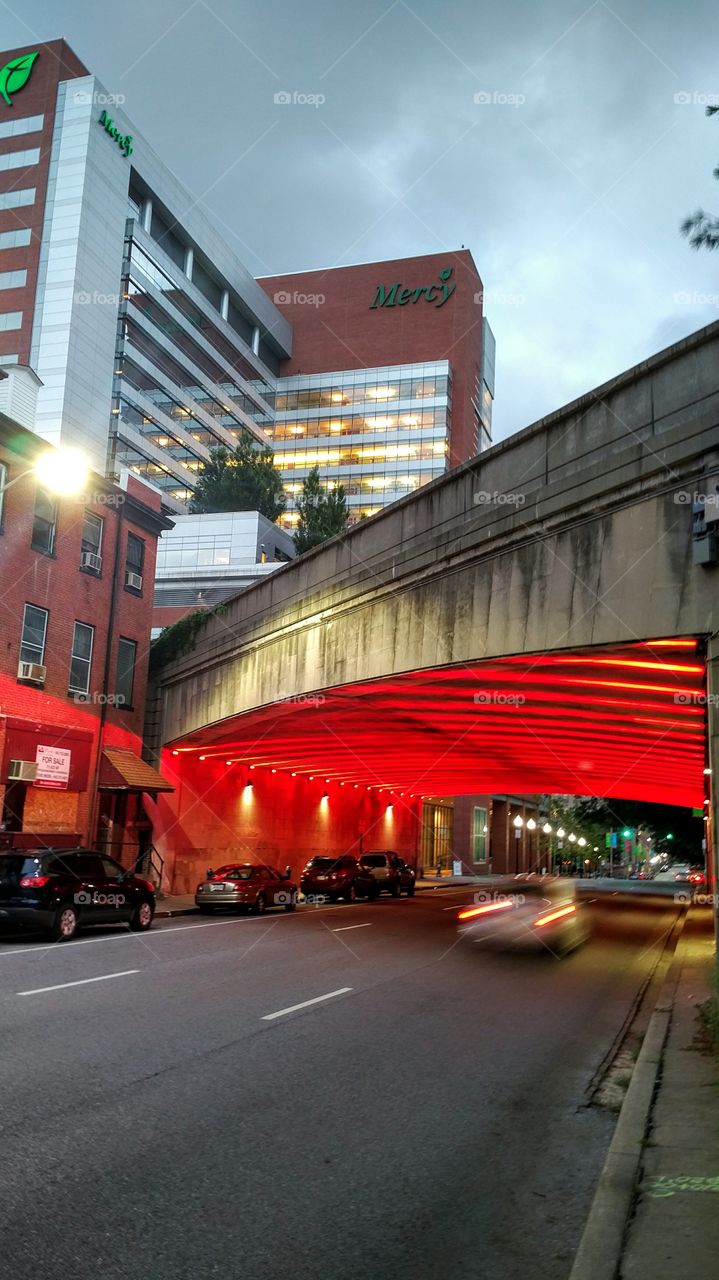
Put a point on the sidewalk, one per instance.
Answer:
(654, 1213)
(675, 1228)
(176, 904)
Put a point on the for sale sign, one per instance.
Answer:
(53, 767)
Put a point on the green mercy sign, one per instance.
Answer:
(396, 296)
(15, 75)
(123, 140)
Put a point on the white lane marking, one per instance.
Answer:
(38, 991)
(267, 1017)
(156, 933)
(344, 927)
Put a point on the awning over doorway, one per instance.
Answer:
(122, 770)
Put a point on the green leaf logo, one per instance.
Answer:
(15, 74)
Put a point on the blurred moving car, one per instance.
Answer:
(254, 886)
(61, 890)
(338, 876)
(542, 914)
(390, 873)
(691, 875)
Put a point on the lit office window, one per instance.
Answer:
(479, 834)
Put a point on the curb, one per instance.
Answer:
(169, 912)
(600, 1248)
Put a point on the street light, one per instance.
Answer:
(63, 471)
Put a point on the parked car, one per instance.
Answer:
(540, 915)
(338, 876)
(390, 873)
(61, 890)
(254, 886)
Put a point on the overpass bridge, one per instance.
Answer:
(542, 619)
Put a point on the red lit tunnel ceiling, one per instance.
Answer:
(623, 722)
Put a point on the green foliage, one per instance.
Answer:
(323, 513)
(658, 820)
(244, 479)
(175, 641)
(702, 229)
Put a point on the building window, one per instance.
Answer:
(16, 239)
(44, 521)
(479, 834)
(26, 124)
(10, 320)
(3, 482)
(91, 545)
(13, 279)
(19, 159)
(16, 199)
(125, 677)
(134, 562)
(81, 658)
(34, 631)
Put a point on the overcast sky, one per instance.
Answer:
(567, 179)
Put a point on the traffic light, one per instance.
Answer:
(627, 833)
(669, 836)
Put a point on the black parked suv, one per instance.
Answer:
(337, 876)
(59, 890)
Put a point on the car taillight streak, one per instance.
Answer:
(33, 882)
(553, 915)
(483, 911)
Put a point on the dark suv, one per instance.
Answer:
(337, 876)
(390, 872)
(59, 890)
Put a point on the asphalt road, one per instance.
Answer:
(425, 1120)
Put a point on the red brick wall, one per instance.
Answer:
(57, 584)
(343, 332)
(55, 62)
(210, 819)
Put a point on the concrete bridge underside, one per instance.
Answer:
(573, 535)
(617, 722)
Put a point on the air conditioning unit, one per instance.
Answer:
(22, 771)
(88, 560)
(32, 671)
(133, 580)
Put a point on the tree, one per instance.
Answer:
(702, 228)
(244, 479)
(323, 513)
